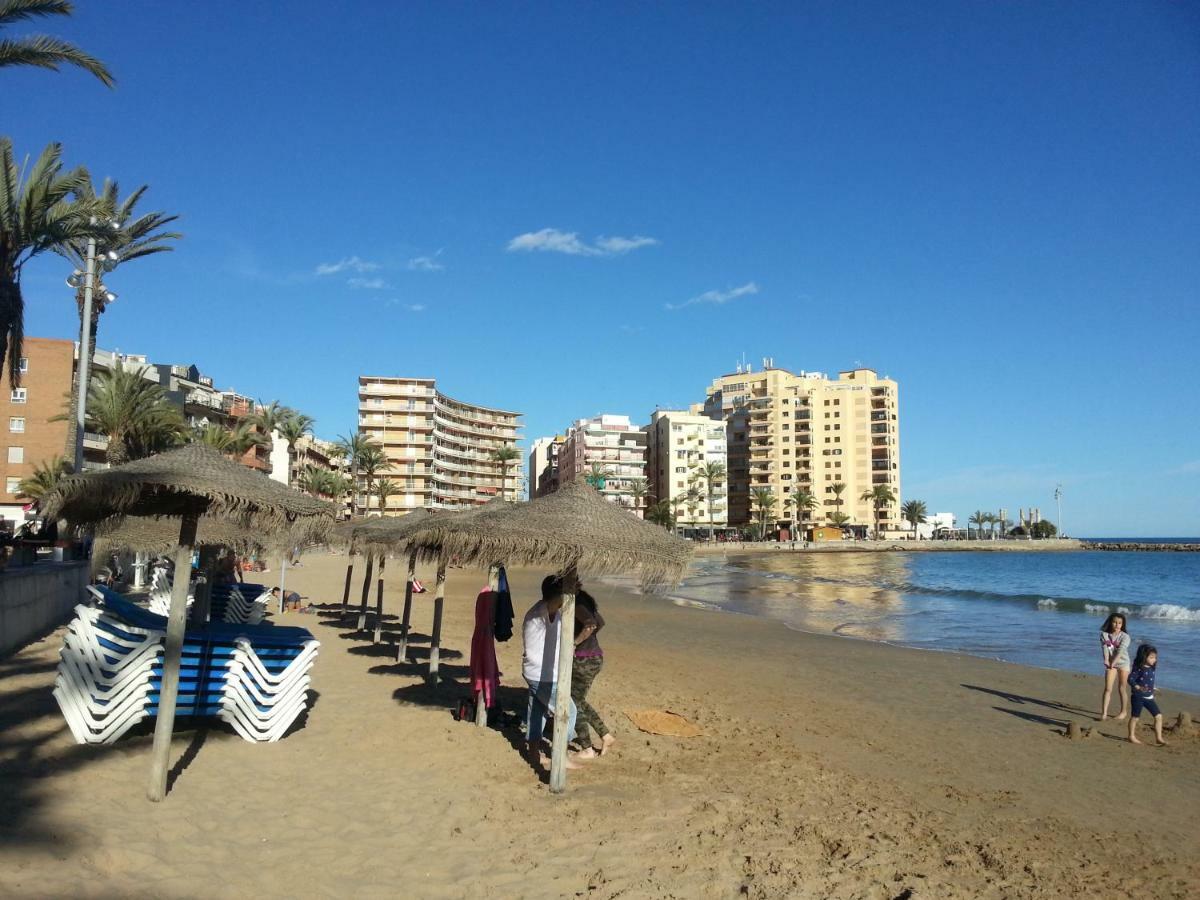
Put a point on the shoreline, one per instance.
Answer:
(826, 768)
(1049, 545)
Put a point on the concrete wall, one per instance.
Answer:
(37, 599)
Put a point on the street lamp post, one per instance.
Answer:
(85, 337)
(1058, 500)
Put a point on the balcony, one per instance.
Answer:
(378, 388)
(93, 441)
(880, 429)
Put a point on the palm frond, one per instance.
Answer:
(20, 10)
(45, 52)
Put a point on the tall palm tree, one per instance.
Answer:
(38, 212)
(804, 503)
(989, 519)
(44, 478)
(337, 484)
(676, 502)
(352, 448)
(135, 414)
(244, 437)
(638, 490)
(660, 514)
(216, 436)
(383, 490)
(979, 519)
(292, 429)
(710, 472)
(39, 49)
(132, 238)
(837, 489)
(504, 455)
(270, 418)
(763, 500)
(840, 519)
(914, 513)
(372, 462)
(597, 476)
(879, 496)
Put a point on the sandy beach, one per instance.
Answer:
(829, 767)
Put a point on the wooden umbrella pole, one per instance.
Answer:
(379, 600)
(439, 600)
(172, 655)
(493, 586)
(402, 647)
(283, 563)
(562, 700)
(346, 590)
(366, 593)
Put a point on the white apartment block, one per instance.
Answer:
(679, 445)
(440, 448)
(614, 447)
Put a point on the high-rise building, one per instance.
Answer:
(440, 449)
(543, 465)
(611, 451)
(680, 444)
(805, 431)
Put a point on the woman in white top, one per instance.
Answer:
(1114, 651)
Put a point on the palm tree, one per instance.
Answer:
(839, 519)
(315, 480)
(292, 429)
(878, 496)
(837, 489)
(337, 484)
(914, 512)
(44, 478)
(504, 455)
(37, 213)
(693, 497)
(979, 519)
(40, 50)
(763, 499)
(372, 462)
(214, 436)
(135, 414)
(270, 418)
(638, 490)
(677, 501)
(352, 448)
(383, 490)
(244, 437)
(804, 503)
(132, 238)
(598, 476)
(989, 519)
(660, 514)
(710, 472)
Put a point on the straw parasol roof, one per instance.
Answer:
(574, 526)
(192, 480)
(388, 534)
(159, 535)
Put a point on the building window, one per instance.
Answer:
(23, 364)
(16, 424)
(16, 454)
(12, 484)
(18, 395)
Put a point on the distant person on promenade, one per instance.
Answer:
(541, 630)
(1141, 686)
(1114, 651)
(589, 660)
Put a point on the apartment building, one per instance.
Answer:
(611, 450)
(440, 448)
(805, 431)
(543, 465)
(30, 436)
(679, 444)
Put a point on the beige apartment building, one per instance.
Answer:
(612, 447)
(791, 431)
(679, 443)
(543, 465)
(440, 448)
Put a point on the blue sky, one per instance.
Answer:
(569, 209)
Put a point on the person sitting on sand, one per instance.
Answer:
(1141, 685)
(589, 659)
(541, 631)
(1114, 651)
(291, 600)
(418, 588)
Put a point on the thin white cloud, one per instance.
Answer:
(551, 240)
(1188, 468)
(717, 298)
(425, 263)
(368, 284)
(415, 307)
(348, 264)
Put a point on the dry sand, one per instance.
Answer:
(829, 768)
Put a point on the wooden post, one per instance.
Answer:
(562, 704)
(402, 647)
(172, 655)
(346, 590)
(439, 600)
(366, 593)
(379, 600)
(493, 586)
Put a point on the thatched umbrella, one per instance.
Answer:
(383, 536)
(192, 482)
(574, 530)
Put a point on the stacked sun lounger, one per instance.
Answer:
(238, 603)
(255, 677)
(160, 593)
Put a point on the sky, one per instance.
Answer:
(570, 209)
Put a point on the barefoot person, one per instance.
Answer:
(1141, 685)
(541, 631)
(589, 659)
(1114, 651)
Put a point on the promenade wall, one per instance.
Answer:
(35, 600)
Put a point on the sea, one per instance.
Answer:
(1038, 609)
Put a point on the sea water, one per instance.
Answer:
(1040, 609)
